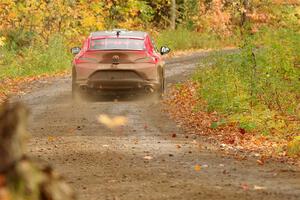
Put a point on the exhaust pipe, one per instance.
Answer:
(149, 89)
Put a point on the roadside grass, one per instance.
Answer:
(28, 62)
(256, 85)
(34, 60)
(255, 90)
(182, 39)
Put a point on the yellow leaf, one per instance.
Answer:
(112, 122)
(51, 138)
(197, 168)
(2, 41)
(89, 21)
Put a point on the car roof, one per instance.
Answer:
(122, 33)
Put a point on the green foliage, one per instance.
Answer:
(178, 86)
(215, 125)
(188, 13)
(36, 59)
(183, 39)
(256, 84)
(247, 126)
(18, 38)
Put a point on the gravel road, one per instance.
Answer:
(144, 159)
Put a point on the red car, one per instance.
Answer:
(118, 61)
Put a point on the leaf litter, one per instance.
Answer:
(181, 104)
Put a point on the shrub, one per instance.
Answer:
(259, 86)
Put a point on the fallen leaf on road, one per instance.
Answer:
(148, 157)
(225, 172)
(173, 135)
(256, 187)
(71, 130)
(194, 142)
(112, 122)
(197, 168)
(50, 138)
(245, 186)
(260, 162)
(178, 146)
(135, 141)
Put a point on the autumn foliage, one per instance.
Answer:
(23, 22)
(257, 89)
(184, 106)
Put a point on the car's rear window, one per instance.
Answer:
(117, 44)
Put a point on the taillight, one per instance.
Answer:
(150, 59)
(83, 59)
(155, 60)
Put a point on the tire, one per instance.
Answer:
(161, 90)
(163, 84)
(76, 93)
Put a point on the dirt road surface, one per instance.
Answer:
(143, 160)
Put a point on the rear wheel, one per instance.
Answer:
(76, 93)
(161, 90)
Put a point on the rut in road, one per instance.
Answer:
(143, 160)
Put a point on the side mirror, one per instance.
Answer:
(164, 50)
(75, 50)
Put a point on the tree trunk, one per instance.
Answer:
(173, 15)
(245, 10)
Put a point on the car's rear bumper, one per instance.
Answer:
(118, 80)
(120, 86)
